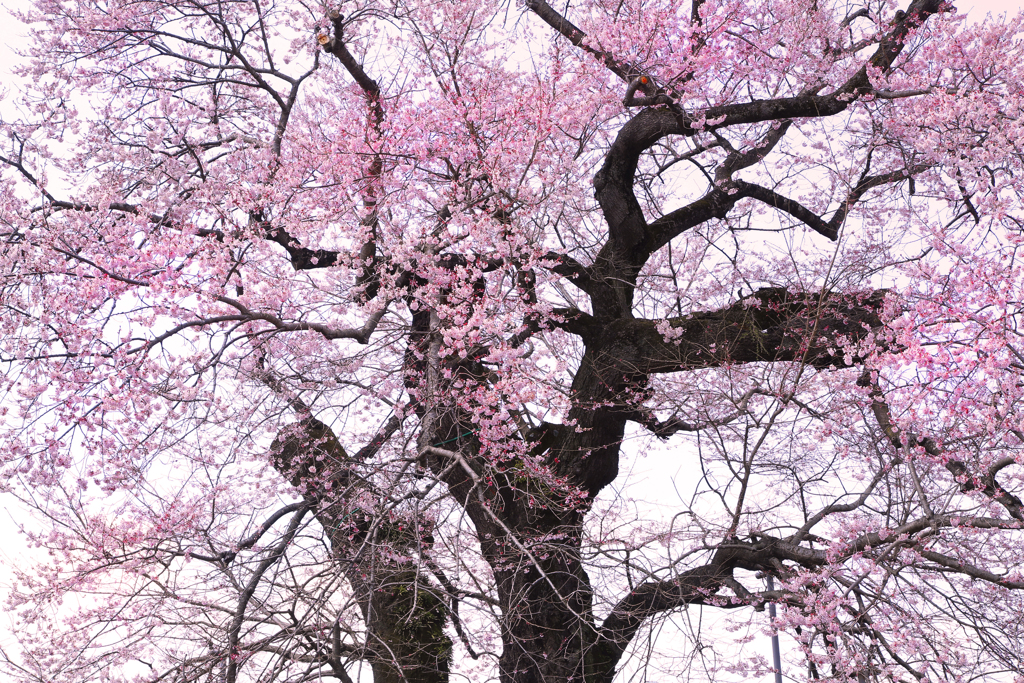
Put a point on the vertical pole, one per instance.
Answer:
(776, 655)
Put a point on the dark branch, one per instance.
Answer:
(649, 599)
(771, 325)
(361, 335)
(227, 556)
(301, 257)
(367, 279)
(630, 239)
(830, 228)
(795, 209)
(576, 36)
(233, 653)
(960, 567)
(985, 483)
(673, 425)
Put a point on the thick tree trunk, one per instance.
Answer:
(403, 613)
(547, 629)
(405, 622)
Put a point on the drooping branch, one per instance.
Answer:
(234, 657)
(577, 37)
(694, 586)
(830, 228)
(984, 482)
(361, 335)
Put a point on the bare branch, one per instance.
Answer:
(361, 335)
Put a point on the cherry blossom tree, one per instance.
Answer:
(326, 330)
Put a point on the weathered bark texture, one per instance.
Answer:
(404, 613)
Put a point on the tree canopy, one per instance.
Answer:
(326, 329)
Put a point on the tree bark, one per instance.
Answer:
(404, 613)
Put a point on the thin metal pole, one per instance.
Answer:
(776, 656)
